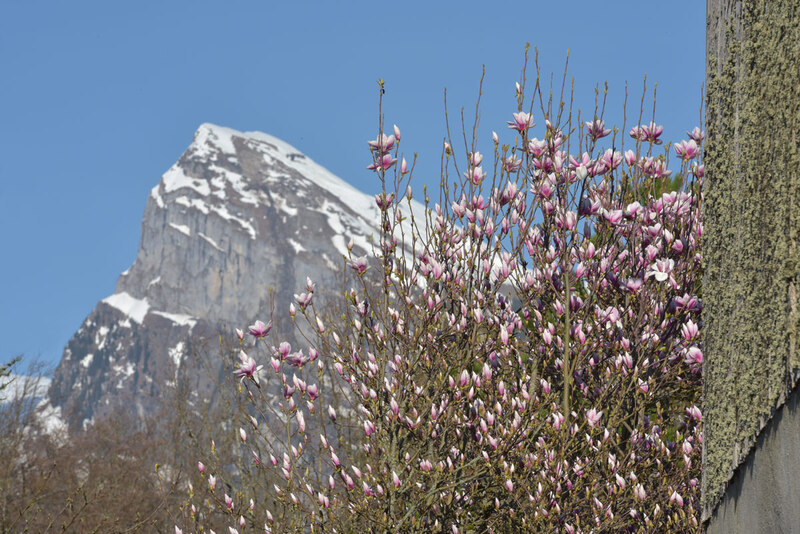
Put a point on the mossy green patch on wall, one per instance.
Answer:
(752, 262)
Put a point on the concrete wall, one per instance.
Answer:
(764, 494)
(752, 227)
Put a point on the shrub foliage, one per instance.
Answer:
(523, 355)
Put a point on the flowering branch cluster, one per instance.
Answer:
(529, 356)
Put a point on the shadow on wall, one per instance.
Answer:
(764, 494)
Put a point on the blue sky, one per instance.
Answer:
(98, 99)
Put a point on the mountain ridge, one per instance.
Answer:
(240, 214)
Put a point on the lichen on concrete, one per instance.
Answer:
(752, 219)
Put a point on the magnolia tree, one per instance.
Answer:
(524, 354)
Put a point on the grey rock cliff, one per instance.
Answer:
(238, 214)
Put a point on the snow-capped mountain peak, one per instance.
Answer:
(237, 214)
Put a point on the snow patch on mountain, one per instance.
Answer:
(221, 211)
(123, 371)
(86, 361)
(209, 240)
(298, 248)
(175, 179)
(237, 183)
(178, 318)
(176, 355)
(182, 228)
(195, 203)
(132, 307)
(100, 337)
(155, 195)
(51, 420)
(209, 136)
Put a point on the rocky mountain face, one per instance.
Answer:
(238, 214)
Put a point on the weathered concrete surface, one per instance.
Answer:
(764, 494)
(752, 225)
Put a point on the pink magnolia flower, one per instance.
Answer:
(382, 162)
(687, 302)
(544, 383)
(613, 216)
(694, 357)
(653, 132)
(611, 159)
(649, 133)
(259, 329)
(547, 337)
(634, 284)
(697, 135)
(633, 208)
(639, 492)
(512, 164)
(475, 175)
(597, 129)
(382, 143)
(557, 420)
(358, 264)
(699, 170)
(661, 270)
(694, 413)
(464, 379)
(654, 167)
(537, 147)
(303, 299)
(644, 386)
(630, 157)
(522, 122)
(686, 150)
(486, 372)
(383, 201)
(247, 367)
(593, 417)
(298, 359)
(283, 350)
